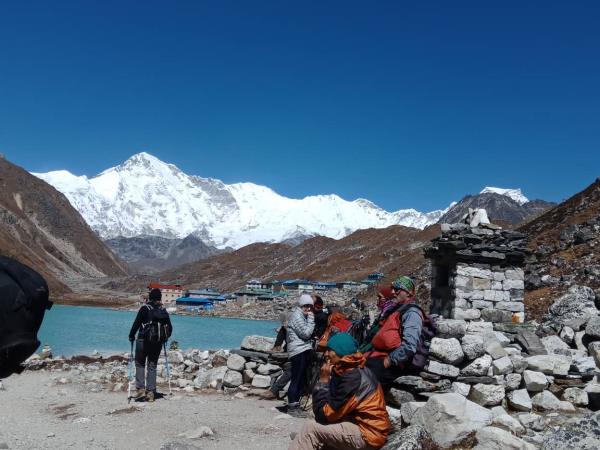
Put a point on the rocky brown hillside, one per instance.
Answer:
(393, 251)
(566, 242)
(39, 227)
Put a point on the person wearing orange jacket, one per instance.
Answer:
(348, 403)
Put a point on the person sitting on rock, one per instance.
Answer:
(395, 334)
(300, 350)
(147, 346)
(348, 403)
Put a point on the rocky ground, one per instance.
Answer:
(39, 411)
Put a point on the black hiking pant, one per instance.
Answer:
(145, 351)
(300, 366)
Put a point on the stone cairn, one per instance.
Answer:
(477, 273)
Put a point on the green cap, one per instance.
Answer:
(404, 283)
(342, 344)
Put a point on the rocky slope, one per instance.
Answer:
(39, 227)
(566, 242)
(150, 254)
(499, 207)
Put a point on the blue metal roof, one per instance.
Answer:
(199, 301)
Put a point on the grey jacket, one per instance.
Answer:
(299, 332)
(412, 324)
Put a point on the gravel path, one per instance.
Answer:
(38, 413)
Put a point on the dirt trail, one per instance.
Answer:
(38, 413)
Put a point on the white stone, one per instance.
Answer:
(261, 381)
(510, 306)
(481, 304)
(554, 344)
(446, 350)
(567, 334)
(461, 388)
(547, 401)
(444, 370)
(487, 394)
(236, 362)
(450, 418)
(514, 274)
(251, 365)
(513, 284)
(519, 363)
(258, 343)
(472, 345)
(451, 328)
(534, 381)
(409, 409)
(481, 283)
(513, 381)
(232, 378)
(584, 364)
(499, 276)
(594, 349)
(519, 400)
(473, 271)
(533, 421)
(493, 347)
(214, 377)
(266, 369)
(509, 423)
(480, 327)
(493, 438)
(199, 433)
(502, 366)
(479, 367)
(576, 396)
(466, 314)
(550, 364)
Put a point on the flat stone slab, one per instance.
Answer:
(530, 342)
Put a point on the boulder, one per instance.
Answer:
(461, 388)
(451, 328)
(592, 329)
(446, 350)
(584, 364)
(409, 409)
(567, 334)
(581, 434)
(493, 347)
(534, 381)
(509, 423)
(519, 400)
(502, 366)
(413, 437)
(554, 345)
(472, 346)
(550, 364)
(267, 369)
(513, 381)
(397, 397)
(547, 401)
(573, 309)
(258, 343)
(576, 396)
(214, 377)
(487, 394)
(519, 363)
(233, 379)
(236, 362)
(532, 421)
(594, 350)
(450, 418)
(493, 438)
(480, 328)
(479, 367)
(444, 370)
(261, 381)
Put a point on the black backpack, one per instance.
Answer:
(23, 302)
(156, 330)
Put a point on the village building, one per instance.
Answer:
(170, 292)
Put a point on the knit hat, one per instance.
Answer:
(386, 292)
(155, 295)
(404, 283)
(305, 299)
(342, 344)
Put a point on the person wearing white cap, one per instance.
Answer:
(301, 325)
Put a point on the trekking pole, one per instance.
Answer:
(167, 366)
(130, 373)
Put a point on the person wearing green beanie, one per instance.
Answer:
(348, 403)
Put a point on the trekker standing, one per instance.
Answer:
(300, 328)
(154, 327)
(396, 333)
(348, 403)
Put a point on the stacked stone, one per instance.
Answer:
(489, 292)
(485, 274)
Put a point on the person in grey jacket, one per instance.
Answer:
(301, 325)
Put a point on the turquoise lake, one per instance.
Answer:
(72, 330)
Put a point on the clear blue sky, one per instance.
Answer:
(408, 104)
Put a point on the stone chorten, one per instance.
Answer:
(477, 271)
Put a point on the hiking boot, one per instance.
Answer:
(150, 396)
(267, 395)
(297, 412)
(140, 393)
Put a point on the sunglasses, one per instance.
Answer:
(307, 306)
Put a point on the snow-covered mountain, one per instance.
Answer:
(515, 194)
(145, 196)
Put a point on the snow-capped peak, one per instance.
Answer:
(515, 194)
(146, 196)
